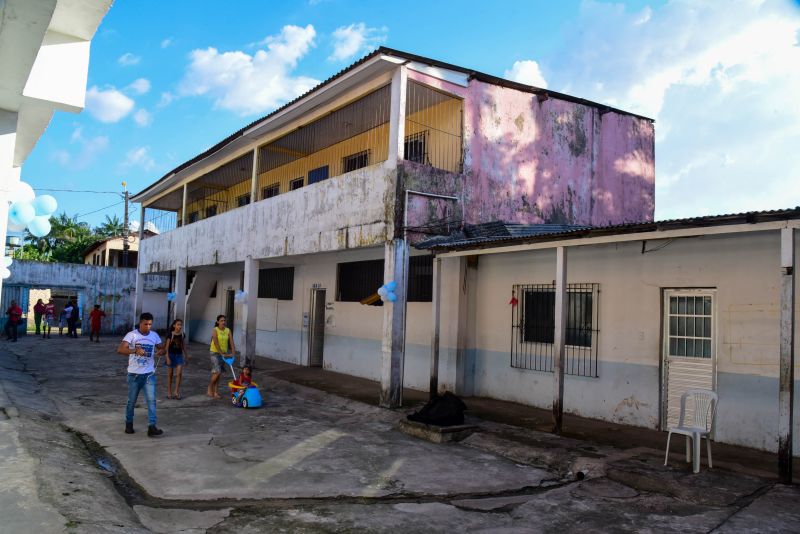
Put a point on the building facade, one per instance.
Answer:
(310, 209)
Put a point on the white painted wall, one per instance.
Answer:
(743, 268)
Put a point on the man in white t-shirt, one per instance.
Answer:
(141, 346)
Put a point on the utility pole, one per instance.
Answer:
(125, 244)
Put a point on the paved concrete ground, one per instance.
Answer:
(313, 461)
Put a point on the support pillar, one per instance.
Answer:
(180, 294)
(254, 178)
(250, 307)
(437, 307)
(786, 384)
(559, 341)
(394, 319)
(183, 204)
(9, 176)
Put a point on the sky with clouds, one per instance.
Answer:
(167, 80)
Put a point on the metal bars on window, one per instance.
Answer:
(433, 128)
(533, 328)
(157, 221)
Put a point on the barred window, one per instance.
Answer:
(533, 328)
(243, 200)
(355, 161)
(414, 148)
(317, 175)
(276, 283)
(296, 184)
(357, 280)
(271, 191)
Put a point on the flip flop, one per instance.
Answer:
(170, 397)
(177, 397)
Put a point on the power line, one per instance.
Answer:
(101, 209)
(78, 191)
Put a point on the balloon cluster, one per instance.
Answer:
(240, 296)
(171, 296)
(386, 291)
(28, 210)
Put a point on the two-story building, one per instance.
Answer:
(310, 209)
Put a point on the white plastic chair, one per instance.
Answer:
(698, 426)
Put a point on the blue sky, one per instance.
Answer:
(169, 79)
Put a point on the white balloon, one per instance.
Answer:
(21, 213)
(382, 291)
(22, 192)
(40, 226)
(45, 205)
(7, 261)
(5, 272)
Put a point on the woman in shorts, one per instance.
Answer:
(177, 357)
(221, 345)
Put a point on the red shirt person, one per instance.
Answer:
(14, 313)
(96, 320)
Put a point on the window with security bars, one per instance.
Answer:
(243, 200)
(414, 148)
(533, 328)
(276, 283)
(271, 191)
(358, 280)
(690, 327)
(355, 161)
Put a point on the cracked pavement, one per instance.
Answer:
(310, 461)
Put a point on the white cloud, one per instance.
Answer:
(128, 59)
(142, 117)
(108, 105)
(354, 39)
(166, 42)
(86, 153)
(140, 86)
(527, 72)
(248, 84)
(720, 78)
(139, 157)
(166, 99)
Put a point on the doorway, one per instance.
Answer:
(316, 327)
(230, 299)
(689, 348)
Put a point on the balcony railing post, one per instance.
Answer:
(183, 204)
(254, 177)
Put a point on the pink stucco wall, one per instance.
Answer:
(557, 161)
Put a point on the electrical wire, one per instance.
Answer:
(78, 191)
(101, 209)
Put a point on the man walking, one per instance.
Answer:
(141, 346)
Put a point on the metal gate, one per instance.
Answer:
(689, 350)
(316, 327)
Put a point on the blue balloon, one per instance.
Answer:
(391, 286)
(45, 205)
(391, 297)
(40, 226)
(21, 213)
(170, 296)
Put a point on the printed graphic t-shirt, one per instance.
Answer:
(142, 364)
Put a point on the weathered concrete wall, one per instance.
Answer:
(555, 161)
(111, 287)
(349, 211)
(743, 269)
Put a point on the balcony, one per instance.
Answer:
(350, 141)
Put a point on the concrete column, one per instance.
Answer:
(467, 306)
(183, 204)
(559, 342)
(139, 298)
(433, 389)
(397, 115)
(786, 384)
(394, 319)
(180, 294)
(9, 175)
(254, 178)
(250, 307)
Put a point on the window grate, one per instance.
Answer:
(276, 283)
(533, 328)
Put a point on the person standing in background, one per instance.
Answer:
(49, 318)
(72, 319)
(96, 320)
(38, 313)
(14, 313)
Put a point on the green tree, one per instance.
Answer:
(111, 227)
(65, 243)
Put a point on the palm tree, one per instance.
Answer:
(111, 227)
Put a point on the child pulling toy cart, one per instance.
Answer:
(244, 392)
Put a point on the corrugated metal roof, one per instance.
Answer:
(495, 231)
(405, 55)
(540, 233)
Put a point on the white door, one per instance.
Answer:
(689, 351)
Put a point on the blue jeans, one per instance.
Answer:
(136, 383)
